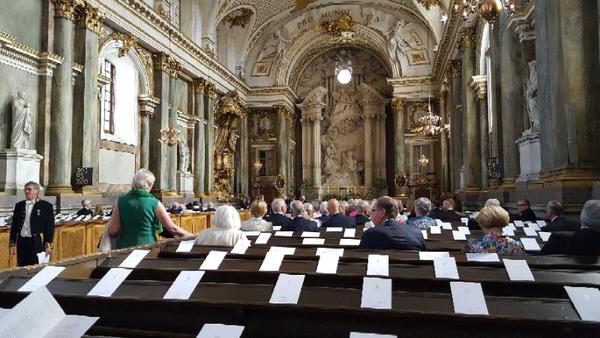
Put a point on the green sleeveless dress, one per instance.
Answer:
(139, 223)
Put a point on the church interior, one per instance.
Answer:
(308, 168)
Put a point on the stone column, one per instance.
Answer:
(281, 140)
(480, 88)
(61, 127)
(456, 123)
(381, 163)
(368, 116)
(312, 110)
(86, 124)
(147, 106)
(199, 139)
(511, 89)
(444, 139)
(316, 150)
(472, 160)
(244, 158)
(211, 95)
(306, 148)
(399, 108)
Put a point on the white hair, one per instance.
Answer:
(277, 205)
(590, 214)
(309, 207)
(323, 208)
(492, 202)
(296, 208)
(362, 206)
(423, 205)
(226, 217)
(143, 179)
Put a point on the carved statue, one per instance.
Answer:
(22, 128)
(273, 47)
(398, 46)
(184, 157)
(531, 97)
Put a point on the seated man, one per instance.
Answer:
(421, 220)
(449, 214)
(584, 241)
(554, 211)
(210, 206)
(175, 208)
(387, 234)
(86, 208)
(526, 214)
(299, 223)
(336, 218)
(362, 209)
(278, 210)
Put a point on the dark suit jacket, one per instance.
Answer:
(361, 219)
(528, 215)
(580, 242)
(84, 212)
(444, 215)
(41, 220)
(300, 224)
(278, 219)
(391, 235)
(561, 224)
(323, 218)
(339, 220)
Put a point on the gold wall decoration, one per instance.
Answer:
(240, 19)
(428, 3)
(399, 104)
(200, 85)
(229, 109)
(339, 27)
(128, 40)
(67, 8)
(91, 18)
(302, 4)
(166, 63)
(455, 69)
(468, 38)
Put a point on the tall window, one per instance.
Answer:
(107, 102)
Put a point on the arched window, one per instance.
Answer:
(107, 100)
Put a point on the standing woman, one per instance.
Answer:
(137, 216)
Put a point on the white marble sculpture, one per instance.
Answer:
(184, 157)
(531, 98)
(273, 47)
(22, 125)
(398, 46)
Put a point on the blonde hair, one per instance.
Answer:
(492, 217)
(258, 208)
(143, 179)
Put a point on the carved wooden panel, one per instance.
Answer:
(4, 257)
(245, 215)
(187, 223)
(93, 233)
(200, 223)
(69, 242)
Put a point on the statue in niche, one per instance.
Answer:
(352, 167)
(346, 112)
(531, 98)
(398, 46)
(406, 42)
(22, 124)
(184, 158)
(331, 165)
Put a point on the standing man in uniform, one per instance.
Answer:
(32, 229)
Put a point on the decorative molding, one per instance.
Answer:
(67, 8)
(90, 18)
(428, 3)
(240, 19)
(399, 105)
(165, 63)
(343, 26)
(455, 69)
(468, 38)
(479, 84)
(200, 85)
(523, 22)
(25, 58)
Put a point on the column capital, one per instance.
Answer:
(468, 38)
(127, 39)
(67, 8)
(479, 85)
(200, 85)
(210, 90)
(147, 105)
(90, 18)
(454, 69)
(399, 104)
(312, 114)
(165, 63)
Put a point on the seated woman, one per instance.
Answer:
(421, 220)
(492, 220)
(225, 229)
(137, 216)
(309, 213)
(258, 209)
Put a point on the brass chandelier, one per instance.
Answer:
(486, 9)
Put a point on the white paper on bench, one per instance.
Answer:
(519, 224)
(508, 231)
(184, 285)
(276, 227)
(468, 298)
(240, 247)
(518, 269)
(430, 255)
(263, 238)
(378, 265)
(272, 261)
(349, 232)
(334, 229)
(72, 326)
(328, 263)
(349, 242)
(447, 226)
(464, 220)
(482, 257)
(284, 250)
(445, 267)
(541, 223)
(43, 258)
(424, 233)
(284, 233)
(370, 335)
(134, 258)
(34, 316)
(251, 233)
(313, 241)
(530, 244)
(545, 235)
(458, 236)
(376, 293)
(326, 251)
(311, 234)
(439, 222)
(530, 232)
(287, 290)
(213, 260)
(435, 229)
(220, 331)
(42, 278)
(110, 282)
(535, 226)
(464, 230)
(586, 302)
(185, 246)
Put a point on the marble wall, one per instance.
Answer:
(13, 81)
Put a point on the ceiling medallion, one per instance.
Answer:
(343, 27)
